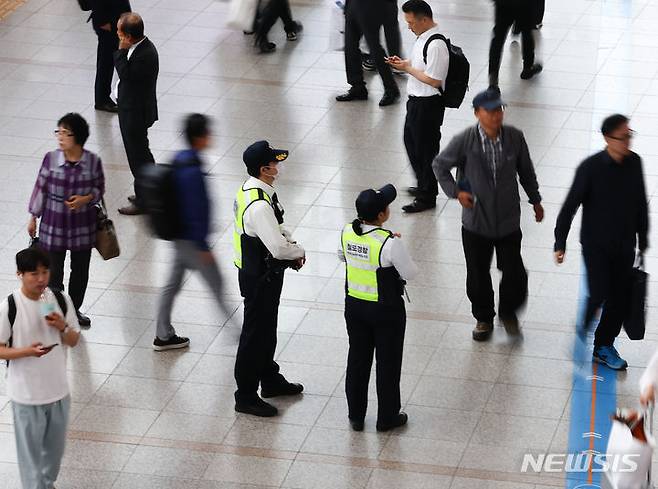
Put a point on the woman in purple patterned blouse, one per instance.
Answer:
(70, 182)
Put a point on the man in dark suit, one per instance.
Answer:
(137, 64)
(104, 17)
(364, 18)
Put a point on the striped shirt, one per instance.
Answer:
(60, 228)
(492, 149)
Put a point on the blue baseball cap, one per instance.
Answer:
(488, 100)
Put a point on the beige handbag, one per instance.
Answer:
(107, 242)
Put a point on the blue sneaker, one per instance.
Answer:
(609, 356)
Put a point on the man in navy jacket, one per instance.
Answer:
(191, 248)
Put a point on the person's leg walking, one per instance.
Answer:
(54, 441)
(513, 289)
(392, 29)
(503, 22)
(164, 329)
(79, 278)
(478, 252)
(371, 31)
(29, 431)
(353, 67)
(615, 308)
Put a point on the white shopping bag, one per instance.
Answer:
(624, 447)
(241, 14)
(337, 27)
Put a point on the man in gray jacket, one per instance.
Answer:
(488, 157)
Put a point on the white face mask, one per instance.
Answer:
(279, 171)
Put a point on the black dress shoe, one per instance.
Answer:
(130, 210)
(107, 107)
(83, 320)
(356, 424)
(256, 407)
(400, 420)
(352, 95)
(389, 98)
(418, 206)
(528, 73)
(287, 389)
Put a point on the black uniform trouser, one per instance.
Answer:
(108, 42)
(609, 277)
(368, 24)
(254, 362)
(374, 328)
(79, 277)
(134, 131)
(506, 15)
(513, 290)
(268, 17)
(422, 139)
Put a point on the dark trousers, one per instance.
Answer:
(108, 42)
(392, 29)
(422, 139)
(79, 277)
(513, 290)
(268, 17)
(506, 15)
(609, 277)
(374, 328)
(254, 362)
(357, 25)
(134, 132)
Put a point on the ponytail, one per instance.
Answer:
(356, 226)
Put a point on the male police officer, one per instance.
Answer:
(262, 252)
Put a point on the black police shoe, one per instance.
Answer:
(528, 73)
(389, 98)
(418, 206)
(284, 389)
(256, 407)
(83, 321)
(400, 420)
(356, 424)
(352, 95)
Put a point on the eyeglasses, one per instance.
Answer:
(62, 132)
(626, 137)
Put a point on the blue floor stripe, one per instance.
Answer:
(581, 434)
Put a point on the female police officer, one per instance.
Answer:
(377, 265)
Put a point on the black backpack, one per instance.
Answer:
(161, 200)
(455, 85)
(11, 313)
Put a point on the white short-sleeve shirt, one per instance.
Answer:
(438, 60)
(32, 380)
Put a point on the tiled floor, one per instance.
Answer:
(143, 419)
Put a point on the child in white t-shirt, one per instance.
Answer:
(35, 346)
